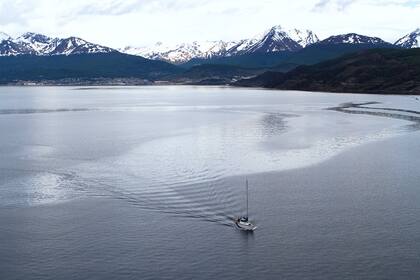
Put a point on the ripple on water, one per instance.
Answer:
(185, 174)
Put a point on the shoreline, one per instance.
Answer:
(168, 83)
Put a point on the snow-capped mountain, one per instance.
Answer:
(74, 45)
(410, 41)
(303, 38)
(182, 52)
(4, 36)
(352, 38)
(276, 39)
(218, 48)
(243, 46)
(10, 48)
(159, 47)
(38, 44)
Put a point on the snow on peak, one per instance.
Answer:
(31, 36)
(41, 44)
(353, 38)
(4, 36)
(275, 33)
(410, 41)
(303, 38)
(276, 29)
(75, 45)
(276, 39)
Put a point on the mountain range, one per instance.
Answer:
(274, 40)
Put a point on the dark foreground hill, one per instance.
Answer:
(387, 71)
(81, 67)
(310, 55)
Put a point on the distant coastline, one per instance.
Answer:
(134, 83)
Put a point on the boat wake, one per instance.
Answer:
(395, 113)
(213, 201)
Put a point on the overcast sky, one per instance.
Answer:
(117, 23)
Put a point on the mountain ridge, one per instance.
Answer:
(38, 44)
(410, 41)
(273, 40)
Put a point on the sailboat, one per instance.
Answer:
(243, 222)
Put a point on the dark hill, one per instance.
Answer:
(384, 71)
(253, 60)
(84, 66)
(325, 51)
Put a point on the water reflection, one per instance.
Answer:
(173, 152)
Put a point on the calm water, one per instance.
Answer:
(143, 183)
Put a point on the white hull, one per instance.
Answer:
(247, 226)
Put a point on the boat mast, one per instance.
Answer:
(247, 197)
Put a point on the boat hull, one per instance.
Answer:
(246, 226)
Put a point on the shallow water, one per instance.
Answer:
(144, 182)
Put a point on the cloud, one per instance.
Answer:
(109, 8)
(140, 22)
(121, 7)
(14, 11)
(322, 4)
(339, 5)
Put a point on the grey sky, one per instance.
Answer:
(138, 22)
